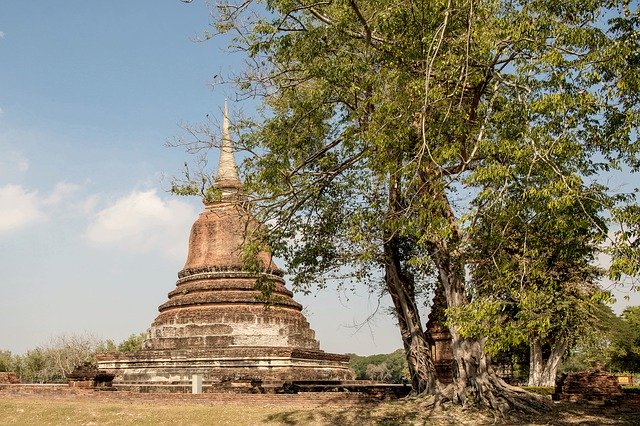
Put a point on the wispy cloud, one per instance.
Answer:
(21, 206)
(1, 34)
(18, 208)
(143, 222)
(62, 191)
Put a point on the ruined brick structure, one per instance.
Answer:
(88, 376)
(595, 386)
(439, 338)
(9, 377)
(214, 322)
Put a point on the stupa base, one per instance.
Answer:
(240, 369)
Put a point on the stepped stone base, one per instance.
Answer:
(149, 370)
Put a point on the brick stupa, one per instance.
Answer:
(214, 323)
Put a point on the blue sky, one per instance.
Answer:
(90, 239)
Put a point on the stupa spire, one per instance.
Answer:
(227, 175)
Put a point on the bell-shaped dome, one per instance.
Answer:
(216, 301)
(215, 322)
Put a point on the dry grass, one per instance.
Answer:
(118, 408)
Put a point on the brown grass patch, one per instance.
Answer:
(118, 408)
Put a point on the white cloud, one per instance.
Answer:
(88, 206)
(143, 222)
(18, 208)
(1, 34)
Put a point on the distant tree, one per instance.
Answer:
(626, 252)
(68, 351)
(133, 342)
(107, 346)
(393, 367)
(624, 349)
(37, 367)
(379, 372)
(52, 361)
(7, 361)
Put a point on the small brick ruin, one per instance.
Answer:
(87, 376)
(594, 386)
(9, 378)
(439, 338)
(215, 322)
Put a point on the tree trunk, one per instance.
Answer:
(551, 367)
(536, 366)
(421, 368)
(475, 383)
(544, 373)
(401, 286)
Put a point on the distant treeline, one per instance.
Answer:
(390, 368)
(51, 362)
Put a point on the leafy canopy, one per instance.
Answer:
(468, 105)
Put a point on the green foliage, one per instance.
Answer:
(107, 346)
(626, 252)
(478, 135)
(7, 361)
(52, 361)
(616, 344)
(389, 368)
(133, 342)
(38, 366)
(473, 109)
(198, 183)
(624, 350)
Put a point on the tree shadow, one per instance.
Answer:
(412, 414)
(365, 415)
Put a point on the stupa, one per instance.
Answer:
(214, 323)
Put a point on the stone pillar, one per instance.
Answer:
(196, 383)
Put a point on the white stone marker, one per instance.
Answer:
(196, 383)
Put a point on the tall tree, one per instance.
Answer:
(534, 279)
(390, 127)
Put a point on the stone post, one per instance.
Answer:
(196, 383)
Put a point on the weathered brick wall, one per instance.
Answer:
(9, 377)
(590, 385)
(215, 324)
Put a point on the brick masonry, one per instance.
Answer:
(214, 322)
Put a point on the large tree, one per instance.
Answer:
(390, 128)
(534, 279)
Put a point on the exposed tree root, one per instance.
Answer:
(498, 397)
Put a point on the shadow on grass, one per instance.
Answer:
(345, 416)
(411, 414)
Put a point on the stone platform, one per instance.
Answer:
(218, 366)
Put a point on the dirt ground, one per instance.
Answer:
(60, 405)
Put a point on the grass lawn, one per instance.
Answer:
(37, 410)
(119, 408)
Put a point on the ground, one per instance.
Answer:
(59, 405)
